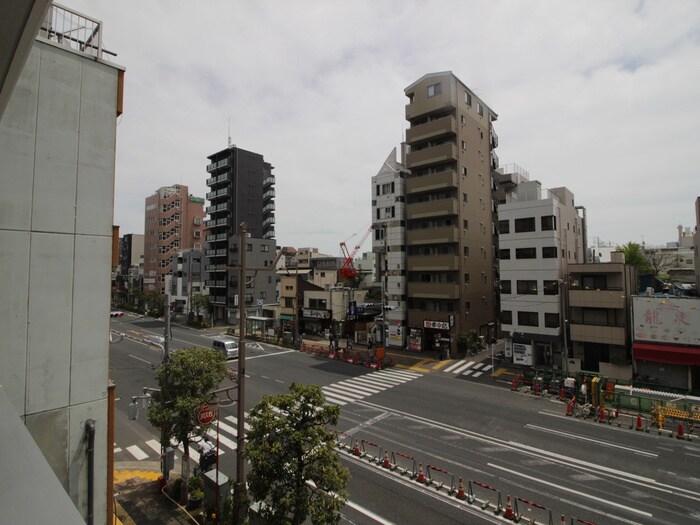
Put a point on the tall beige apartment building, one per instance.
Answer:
(450, 212)
(174, 221)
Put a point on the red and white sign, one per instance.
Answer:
(436, 325)
(205, 415)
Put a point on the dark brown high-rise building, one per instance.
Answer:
(174, 222)
(451, 266)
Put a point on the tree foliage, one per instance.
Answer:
(634, 255)
(200, 302)
(185, 382)
(295, 469)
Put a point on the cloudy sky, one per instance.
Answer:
(598, 96)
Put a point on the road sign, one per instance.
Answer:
(205, 415)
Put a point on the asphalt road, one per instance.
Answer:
(501, 443)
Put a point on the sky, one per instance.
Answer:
(598, 96)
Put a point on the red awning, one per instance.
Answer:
(677, 355)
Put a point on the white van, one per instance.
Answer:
(227, 346)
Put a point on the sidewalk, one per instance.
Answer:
(138, 500)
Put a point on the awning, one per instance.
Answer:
(258, 318)
(678, 355)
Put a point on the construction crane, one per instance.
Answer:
(348, 272)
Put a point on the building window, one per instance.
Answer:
(528, 319)
(467, 306)
(265, 248)
(551, 320)
(548, 222)
(549, 252)
(197, 221)
(550, 287)
(506, 317)
(480, 109)
(464, 171)
(466, 224)
(466, 251)
(468, 98)
(263, 295)
(463, 120)
(249, 247)
(464, 197)
(197, 234)
(526, 224)
(464, 145)
(434, 89)
(505, 287)
(525, 253)
(526, 287)
(504, 254)
(289, 302)
(504, 226)
(466, 278)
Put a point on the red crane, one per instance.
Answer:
(347, 271)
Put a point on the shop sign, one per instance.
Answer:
(315, 314)
(436, 325)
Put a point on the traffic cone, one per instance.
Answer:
(421, 477)
(639, 423)
(386, 463)
(537, 389)
(681, 431)
(460, 490)
(570, 408)
(601, 415)
(508, 514)
(356, 450)
(562, 394)
(514, 385)
(562, 521)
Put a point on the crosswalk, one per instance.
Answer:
(340, 393)
(468, 368)
(356, 388)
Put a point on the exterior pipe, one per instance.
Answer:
(90, 429)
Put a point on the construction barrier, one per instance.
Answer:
(370, 457)
(343, 440)
(440, 483)
(531, 505)
(409, 463)
(492, 493)
(420, 477)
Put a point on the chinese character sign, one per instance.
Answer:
(666, 320)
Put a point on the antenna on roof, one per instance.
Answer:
(229, 133)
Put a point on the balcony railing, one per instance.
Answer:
(216, 165)
(223, 192)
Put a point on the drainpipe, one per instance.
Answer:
(90, 429)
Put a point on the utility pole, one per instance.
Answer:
(240, 495)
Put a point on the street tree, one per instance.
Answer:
(295, 468)
(634, 255)
(185, 382)
(200, 302)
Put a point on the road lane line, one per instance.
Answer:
(368, 513)
(592, 440)
(137, 452)
(247, 357)
(140, 359)
(598, 511)
(572, 491)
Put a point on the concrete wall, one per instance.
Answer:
(57, 144)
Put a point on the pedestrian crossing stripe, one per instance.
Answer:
(339, 393)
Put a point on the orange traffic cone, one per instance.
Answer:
(421, 477)
(601, 415)
(514, 385)
(386, 463)
(639, 423)
(460, 490)
(508, 514)
(356, 450)
(563, 520)
(681, 432)
(537, 389)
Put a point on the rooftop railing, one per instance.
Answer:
(73, 29)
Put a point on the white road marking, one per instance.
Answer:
(140, 359)
(137, 452)
(477, 374)
(572, 491)
(592, 440)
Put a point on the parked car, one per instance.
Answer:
(116, 313)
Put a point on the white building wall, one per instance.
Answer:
(57, 140)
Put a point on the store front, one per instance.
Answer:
(315, 322)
